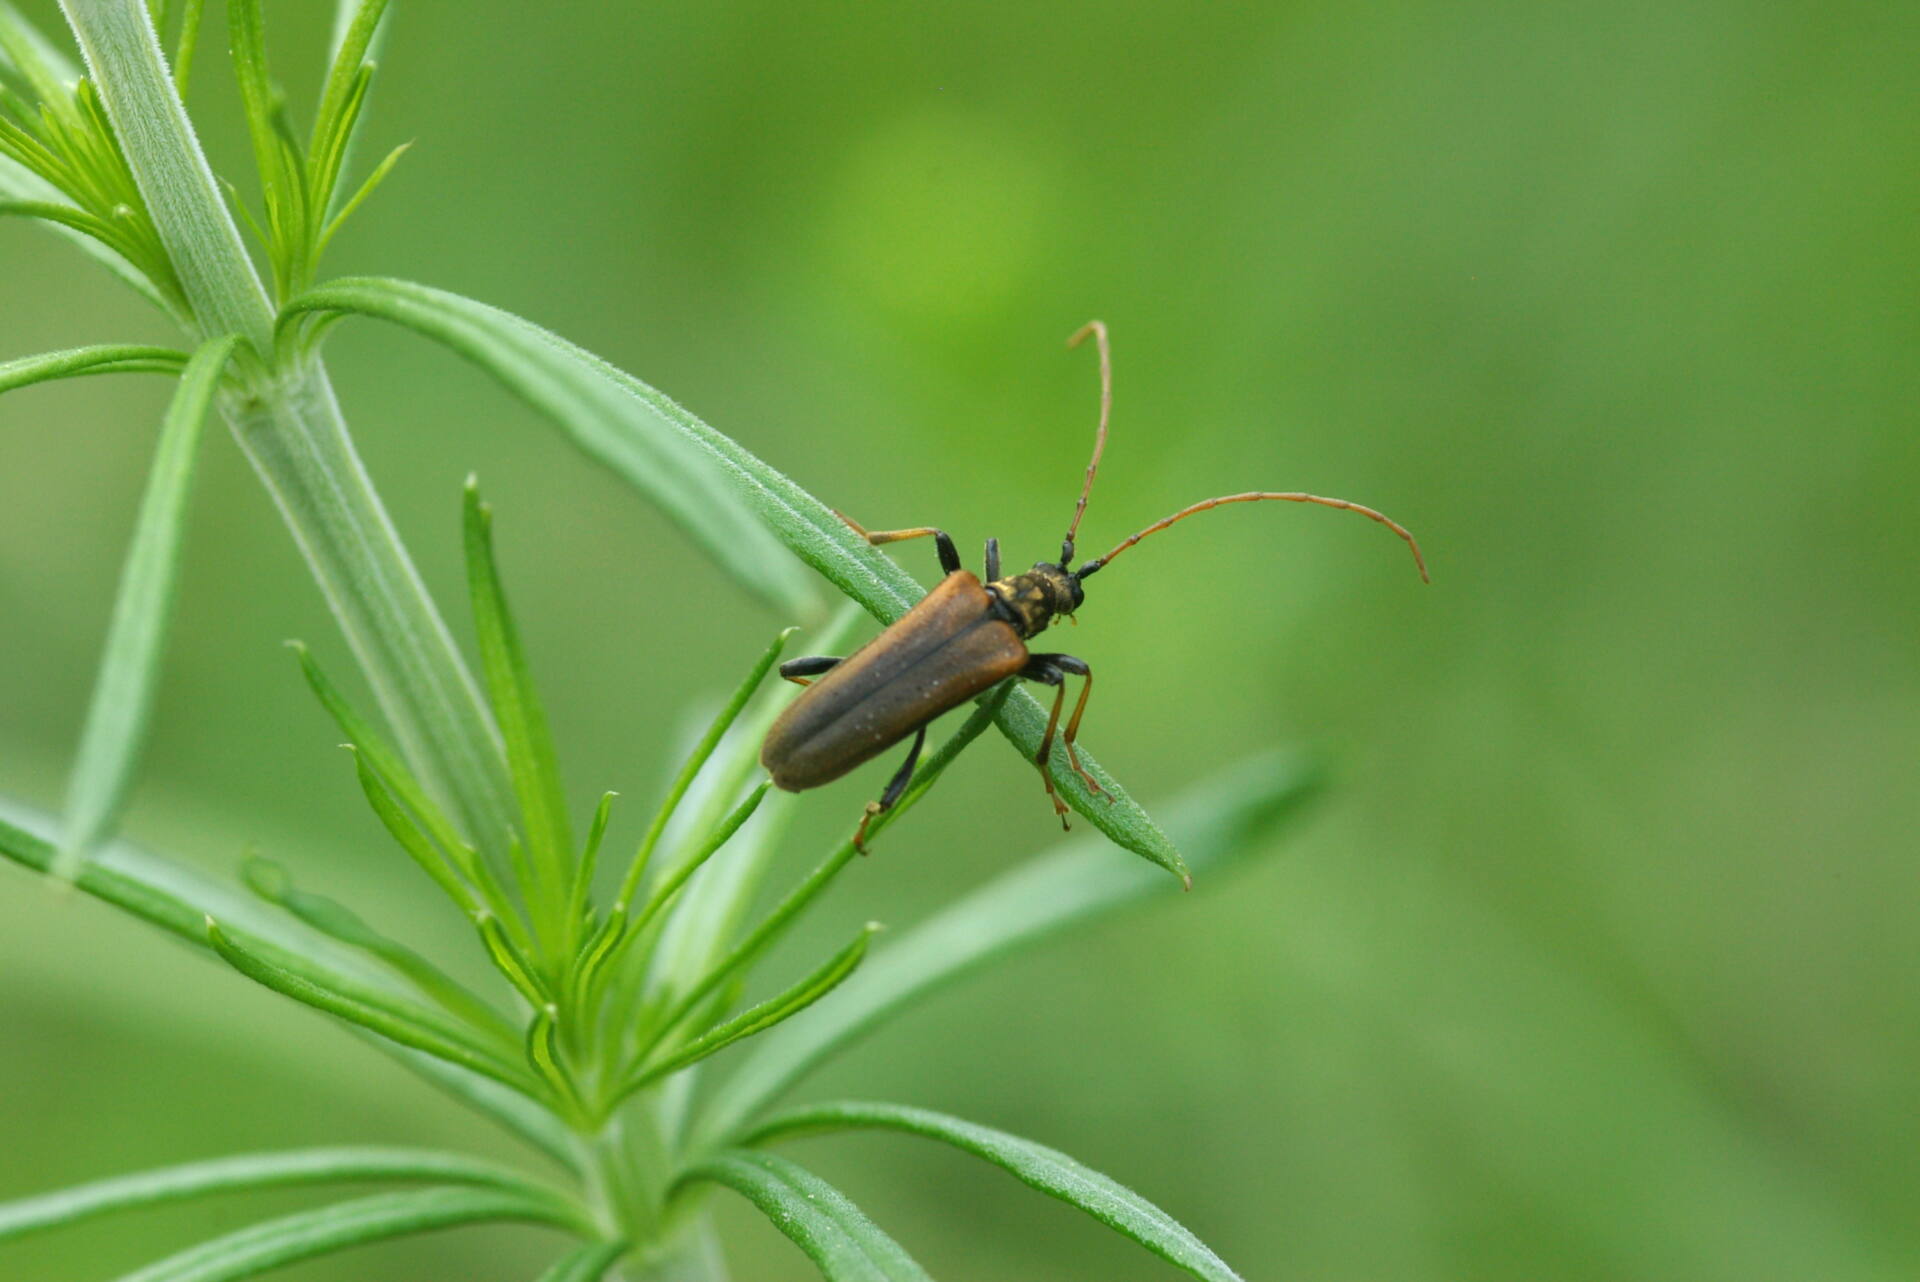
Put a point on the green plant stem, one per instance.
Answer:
(291, 428)
(297, 441)
(127, 67)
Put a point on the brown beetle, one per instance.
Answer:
(962, 639)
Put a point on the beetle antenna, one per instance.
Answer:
(1254, 497)
(1099, 331)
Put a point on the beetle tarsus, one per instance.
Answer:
(895, 787)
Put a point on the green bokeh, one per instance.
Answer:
(1599, 962)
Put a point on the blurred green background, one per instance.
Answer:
(1598, 961)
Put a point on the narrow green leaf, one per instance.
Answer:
(1048, 1170)
(178, 899)
(839, 1238)
(328, 1229)
(784, 913)
(111, 358)
(583, 873)
(1232, 816)
(189, 42)
(129, 669)
(251, 1171)
(523, 723)
(359, 197)
(101, 231)
(710, 914)
(512, 962)
(671, 883)
(637, 416)
(544, 1057)
(391, 1017)
(756, 1019)
(587, 1264)
(403, 806)
(432, 860)
(695, 760)
(355, 39)
(274, 884)
(627, 436)
(46, 67)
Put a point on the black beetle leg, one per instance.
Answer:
(949, 554)
(798, 670)
(895, 786)
(993, 560)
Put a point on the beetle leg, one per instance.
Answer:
(1062, 664)
(798, 670)
(1041, 668)
(949, 554)
(993, 560)
(895, 786)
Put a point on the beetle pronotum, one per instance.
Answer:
(963, 638)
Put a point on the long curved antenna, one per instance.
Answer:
(1099, 331)
(1254, 497)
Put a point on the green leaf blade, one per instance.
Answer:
(143, 606)
(393, 1018)
(1048, 1170)
(253, 1171)
(178, 899)
(775, 1010)
(303, 1236)
(630, 438)
(1222, 819)
(836, 1235)
(523, 722)
(107, 358)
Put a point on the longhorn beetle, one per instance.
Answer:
(963, 638)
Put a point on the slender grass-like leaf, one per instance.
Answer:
(393, 1018)
(670, 884)
(702, 750)
(587, 1264)
(523, 723)
(273, 883)
(757, 1019)
(328, 1229)
(409, 814)
(184, 50)
(638, 417)
(431, 859)
(179, 899)
(19, 182)
(1048, 1170)
(835, 1234)
(252, 1171)
(775, 923)
(109, 358)
(129, 669)
(610, 425)
(1225, 819)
